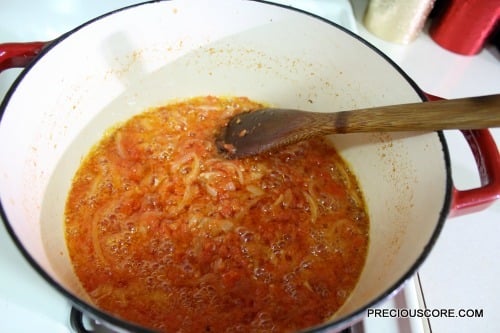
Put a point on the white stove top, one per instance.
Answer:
(462, 270)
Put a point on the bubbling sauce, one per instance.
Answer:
(164, 232)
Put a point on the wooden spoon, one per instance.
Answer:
(262, 130)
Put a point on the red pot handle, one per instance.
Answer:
(487, 158)
(19, 54)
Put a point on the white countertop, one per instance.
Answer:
(436, 70)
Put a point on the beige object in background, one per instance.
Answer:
(397, 20)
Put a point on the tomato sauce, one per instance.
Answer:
(164, 232)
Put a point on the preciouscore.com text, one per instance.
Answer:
(425, 313)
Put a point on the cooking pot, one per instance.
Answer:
(75, 87)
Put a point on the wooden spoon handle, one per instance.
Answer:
(464, 113)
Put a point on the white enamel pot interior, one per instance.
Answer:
(151, 54)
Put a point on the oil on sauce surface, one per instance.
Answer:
(164, 232)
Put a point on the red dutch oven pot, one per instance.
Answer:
(73, 88)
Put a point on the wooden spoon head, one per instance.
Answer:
(254, 132)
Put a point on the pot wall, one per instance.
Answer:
(107, 71)
(404, 181)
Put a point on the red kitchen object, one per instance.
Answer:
(463, 27)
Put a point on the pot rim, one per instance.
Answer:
(338, 323)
